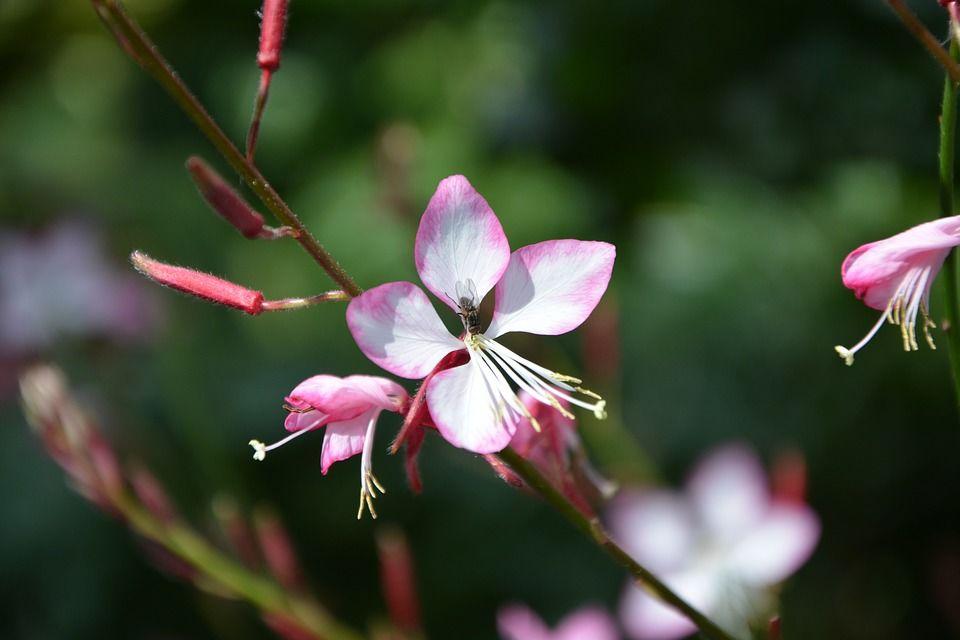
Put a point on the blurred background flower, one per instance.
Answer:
(734, 156)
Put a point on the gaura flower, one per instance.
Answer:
(721, 545)
(461, 253)
(349, 408)
(894, 276)
(517, 622)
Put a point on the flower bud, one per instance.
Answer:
(197, 283)
(397, 579)
(152, 495)
(223, 199)
(278, 550)
(272, 26)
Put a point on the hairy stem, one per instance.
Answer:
(951, 271)
(138, 46)
(592, 528)
(927, 39)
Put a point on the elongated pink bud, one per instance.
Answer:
(278, 550)
(152, 495)
(398, 580)
(200, 284)
(272, 26)
(223, 199)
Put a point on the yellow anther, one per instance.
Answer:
(587, 392)
(534, 424)
(559, 377)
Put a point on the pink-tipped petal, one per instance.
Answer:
(459, 239)
(551, 287)
(588, 623)
(345, 439)
(397, 328)
(657, 527)
(463, 410)
(729, 491)
(645, 618)
(517, 622)
(874, 270)
(782, 542)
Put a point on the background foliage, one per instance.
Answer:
(734, 152)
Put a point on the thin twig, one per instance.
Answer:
(593, 528)
(927, 39)
(138, 46)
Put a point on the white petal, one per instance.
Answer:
(459, 239)
(396, 326)
(551, 287)
(729, 490)
(463, 409)
(780, 545)
(656, 527)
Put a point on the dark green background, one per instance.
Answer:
(733, 151)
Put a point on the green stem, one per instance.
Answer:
(265, 594)
(592, 528)
(951, 271)
(138, 46)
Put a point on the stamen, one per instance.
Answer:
(260, 449)
(544, 385)
(369, 485)
(847, 354)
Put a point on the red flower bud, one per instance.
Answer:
(197, 283)
(223, 199)
(278, 550)
(273, 24)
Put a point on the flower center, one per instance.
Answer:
(909, 299)
(548, 387)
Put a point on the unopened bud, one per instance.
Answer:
(397, 580)
(152, 495)
(277, 549)
(224, 199)
(272, 26)
(200, 284)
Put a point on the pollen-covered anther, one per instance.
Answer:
(369, 486)
(560, 377)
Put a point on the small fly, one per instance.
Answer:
(468, 301)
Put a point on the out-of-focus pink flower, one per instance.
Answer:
(61, 284)
(894, 276)
(720, 545)
(518, 622)
(349, 408)
(462, 254)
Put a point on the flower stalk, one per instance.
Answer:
(925, 38)
(594, 529)
(73, 440)
(135, 42)
(951, 271)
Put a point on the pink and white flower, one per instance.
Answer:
(721, 545)
(461, 254)
(518, 622)
(894, 276)
(349, 408)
